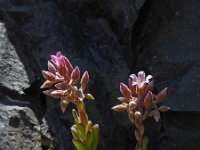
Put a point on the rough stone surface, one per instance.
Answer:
(179, 129)
(171, 54)
(11, 68)
(19, 128)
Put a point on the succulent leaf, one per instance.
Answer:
(79, 145)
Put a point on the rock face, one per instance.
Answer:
(19, 128)
(172, 55)
(110, 39)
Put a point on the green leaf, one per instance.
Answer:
(141, 130)
(136, 122)
(81, 131)
(145, 143)
(80, 106)
(89, 140)
(137, 135)
(95, 132)
(89, 126)
(79, 145)
(75, 115)
(74, 132)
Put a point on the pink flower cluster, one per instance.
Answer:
(64, 77)
(138, 98)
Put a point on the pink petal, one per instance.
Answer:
(141, 76)
(133, 77)
(148, 78)
(142, 85)
(134, 83)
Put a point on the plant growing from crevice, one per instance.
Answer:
(140, 103)
(62, 80)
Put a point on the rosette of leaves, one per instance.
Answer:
(85, 134)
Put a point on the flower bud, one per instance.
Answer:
(51, 68)
(156, 115)
(149, 86)
(48, 92)
(138, 114)
(126, 92)
(89, 96)
(164, 108)
(148, 100)
(120, 107)
(69, 66)
(132, 105)
(161, 96)
(48, 75)
(84, 80)
(46, 84)
(63, 105)
(75, 76)
(132, 86)
(122, 99)
(62, 86)
(57, 94)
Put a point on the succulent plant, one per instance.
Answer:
(140, 103)
(64, 77)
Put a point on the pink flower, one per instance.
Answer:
(141, 80)
(62, 64)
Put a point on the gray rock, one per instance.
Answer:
(170, 52)
(179, 129)
(12, 71)
(172, 56)
(19, 127)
